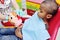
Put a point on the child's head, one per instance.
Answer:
(48, 9)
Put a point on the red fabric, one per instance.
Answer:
(54, 25)
(23, 19)
(30, 12)
(18, 17)
(9, 24)
(2, 1)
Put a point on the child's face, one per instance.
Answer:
(43, 14)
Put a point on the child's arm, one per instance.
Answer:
(18, 32)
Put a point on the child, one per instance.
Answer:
(36, 27)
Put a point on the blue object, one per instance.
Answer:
(6, 17)
(20, 12)
(34, 29)
(7, 31)
(8, 34)
(8, 37)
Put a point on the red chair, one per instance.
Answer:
(54, 26)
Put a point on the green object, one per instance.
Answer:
(32, 7)
(28, 6)
(20, 4)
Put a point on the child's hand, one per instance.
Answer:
(18, 31)
(20, 26)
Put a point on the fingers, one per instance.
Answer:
(20, 26)
(18, 33)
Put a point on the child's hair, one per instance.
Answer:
(50, 7)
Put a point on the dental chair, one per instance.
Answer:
(54, 25)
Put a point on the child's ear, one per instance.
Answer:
(48, 16)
